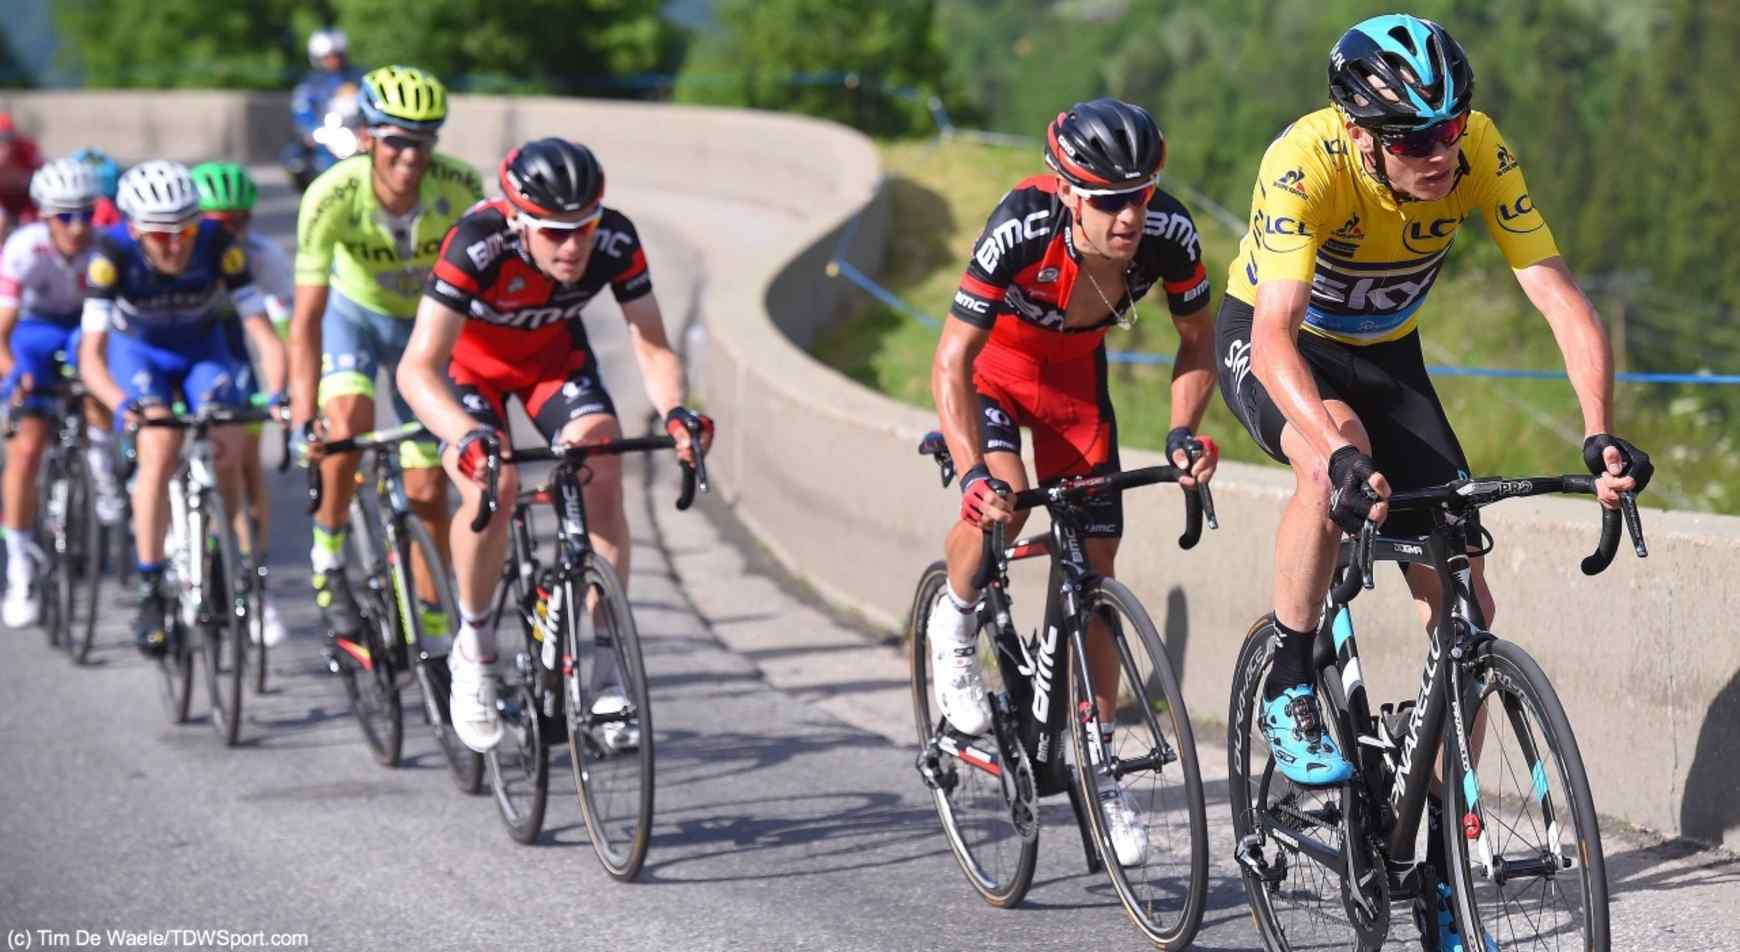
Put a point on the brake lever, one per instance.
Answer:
(1633, 523)
(1363, 554)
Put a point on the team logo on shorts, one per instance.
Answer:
(1046, 276)
(576, 387)
(474, 402)
(996, 417)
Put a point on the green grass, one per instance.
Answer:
(1475, 316)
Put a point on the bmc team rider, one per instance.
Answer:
(371, 227)
(1061, 259)
(153, 303)
(1353, 212)
(502, 315)
(42, 292)
(226, 196)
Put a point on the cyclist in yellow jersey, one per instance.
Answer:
(1354, 210)
(368, 232)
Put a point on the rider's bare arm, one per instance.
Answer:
(422, 375)
(304, 357)
(1581, 338)
(660, 366)
(951, 386)
(1276, 361)
(271, 350)
(94, 368)
(1193, 371)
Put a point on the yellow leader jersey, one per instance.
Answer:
(1318, 215)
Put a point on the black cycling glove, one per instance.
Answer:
(1637, 464)
(1350, 494)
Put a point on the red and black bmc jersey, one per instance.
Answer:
(1025, 264)
(523, 327)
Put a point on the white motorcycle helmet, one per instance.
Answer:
(324, 43)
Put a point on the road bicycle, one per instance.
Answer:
(578, 675)
(386, 539)
(1322, 864)
(987, 788)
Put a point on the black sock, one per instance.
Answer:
(1291, 664)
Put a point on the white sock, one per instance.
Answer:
(962, 605)
(18, 555)
(476, 639)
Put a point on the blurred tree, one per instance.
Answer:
(867, 63)
(199, 43)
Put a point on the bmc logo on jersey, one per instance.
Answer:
(612, 243)
(532, 318)
(1007, 235)
(482, 253)
(967, 302)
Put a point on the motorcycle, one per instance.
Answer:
(329, 143)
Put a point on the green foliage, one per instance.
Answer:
(532, 46)
(868, 63)
(210, 44)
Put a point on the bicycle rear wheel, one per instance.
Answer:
(1152, 759)
(1533, 875)
(610, 726)
(223, 627)
(965, 774)
(1289, 838)
(464, 765)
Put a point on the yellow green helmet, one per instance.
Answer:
(403, 96)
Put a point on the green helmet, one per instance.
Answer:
(403, 96)
(224, 187)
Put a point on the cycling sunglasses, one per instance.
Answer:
(232, 221)
(83, 216)
(1113, 202)
(1423, 142)
(400, 143)
(171, 236)
(558, 231)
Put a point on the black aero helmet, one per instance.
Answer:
(1398, 73)
(552, 177)
(1105, 144)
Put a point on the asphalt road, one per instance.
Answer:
(788, 816)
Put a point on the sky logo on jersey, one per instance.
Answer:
(1516, 211)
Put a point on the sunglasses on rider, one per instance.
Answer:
(233, 222)
(558, 231)
(170, 237)
(400, 143)
(1113, 202)
(1423, 142)
(83, 216)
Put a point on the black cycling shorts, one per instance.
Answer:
(1385, 384)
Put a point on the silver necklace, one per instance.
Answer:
(1125, 320)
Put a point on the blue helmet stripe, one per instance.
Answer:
(1378, 29)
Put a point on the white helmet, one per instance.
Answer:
(159, 193)
(324, 43)
(64, 185)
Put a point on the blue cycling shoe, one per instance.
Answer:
(1450, 940)
(1303, 750)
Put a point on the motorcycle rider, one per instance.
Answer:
(331, 78)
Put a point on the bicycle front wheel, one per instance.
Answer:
(1520, 831)
(175, 667)
(1147, 758)
(370, 676)
(1288, 836)
(610, 726)
(965, 775)
(51, 498)
(463, 764)
(223, 628)
(93, 537)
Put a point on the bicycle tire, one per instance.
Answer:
(998, 861)
(175, 667)
(256, 568)
(464, 765)
(1154, 694)
(371, 680)
(519, 768)
(48, 574)
(620, 836)
(92, 557)
(1302, 885)
(68, 556)
(223, 624)
(1504, 670)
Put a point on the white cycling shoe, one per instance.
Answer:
(955, 674)
(271, 630)
(472, 703)
(1125, 824)
(22, 606)
(617, 735)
